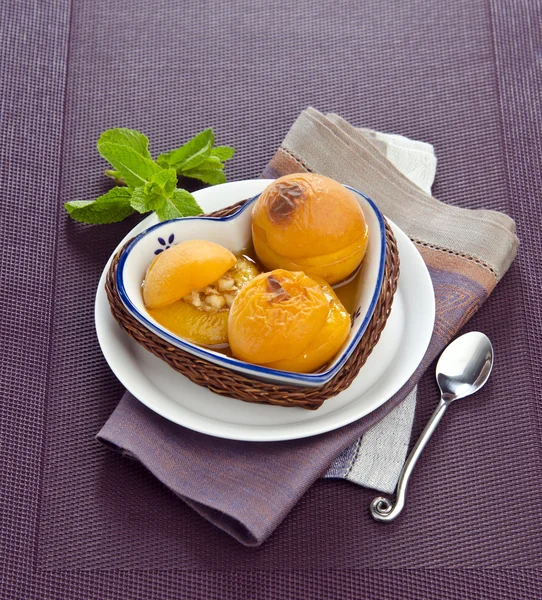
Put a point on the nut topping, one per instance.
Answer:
(219, 296)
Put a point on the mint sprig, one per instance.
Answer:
(199, 159)
(151, 185)
(109, 208)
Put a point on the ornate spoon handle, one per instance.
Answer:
(383, 509)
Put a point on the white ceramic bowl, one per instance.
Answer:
(234, 232)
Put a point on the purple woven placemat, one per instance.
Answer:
(79, 522)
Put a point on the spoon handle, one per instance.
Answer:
(383, 509)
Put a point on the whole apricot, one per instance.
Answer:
(287, 320)
(179, 270)
(311, 223)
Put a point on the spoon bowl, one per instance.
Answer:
(464, 366)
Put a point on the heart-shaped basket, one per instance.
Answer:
(226, 382)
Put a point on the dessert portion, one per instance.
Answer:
(287, 320)
(309, 233)
(310, 223)
(189, 289)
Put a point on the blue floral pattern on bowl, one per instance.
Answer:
(165, 245)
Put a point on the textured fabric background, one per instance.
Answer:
(79, 522)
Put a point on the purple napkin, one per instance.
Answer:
(246, 488)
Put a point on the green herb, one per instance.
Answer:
(180, 202)
(199, 159)
(151, 185)
(109, 208)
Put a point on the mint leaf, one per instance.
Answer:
(153, 194)
(151, 185)
(211, 177)
(115, 176)
(142, 203)
(134, 168)
(198, 159)
(166, 179)
(189, 155)
(127, 137)
(111, 207)
(223, 152)
(180, 204)
(210, 171)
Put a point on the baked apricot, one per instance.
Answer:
(193, 324)
(311, 223)
(188, 266)
(287, 320)
(203, 287)
(328, 341)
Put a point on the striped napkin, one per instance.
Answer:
(246, 488)
(375, 459)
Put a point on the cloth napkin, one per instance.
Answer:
(247, 489)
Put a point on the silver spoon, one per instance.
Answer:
(463, 368)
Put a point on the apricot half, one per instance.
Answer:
(287, 320)
(188, 266)
(190, 288)
(311, 223)
(193, 324)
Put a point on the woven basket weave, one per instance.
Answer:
(230, 383)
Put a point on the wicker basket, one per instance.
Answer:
(230, 383)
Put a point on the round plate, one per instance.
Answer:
(399, 351)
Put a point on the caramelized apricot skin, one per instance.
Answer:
(327, 343)
(287, 320)
(276, 316)
(177, 271)
(312, 223)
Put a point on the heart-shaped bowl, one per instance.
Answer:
(235, 233)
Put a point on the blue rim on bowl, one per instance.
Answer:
(257, 371)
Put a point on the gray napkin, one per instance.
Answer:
(375, 459)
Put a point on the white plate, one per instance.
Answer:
(400, 349)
